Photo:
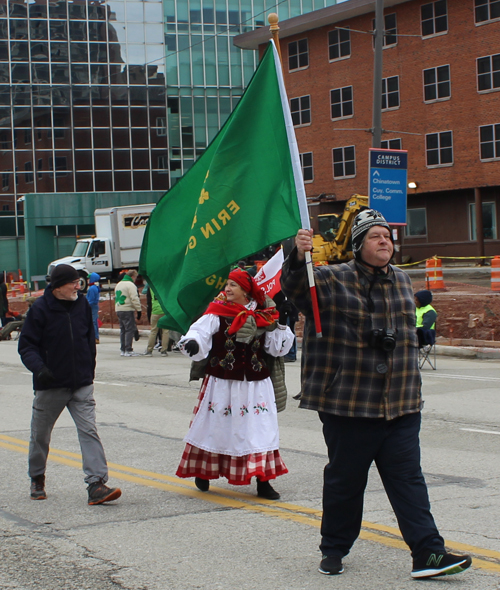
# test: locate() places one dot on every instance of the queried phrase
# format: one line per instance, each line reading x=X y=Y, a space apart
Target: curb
x=471 y=352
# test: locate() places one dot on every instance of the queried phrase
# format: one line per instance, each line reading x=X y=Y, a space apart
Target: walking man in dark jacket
x=57 y=345
x=362 y=378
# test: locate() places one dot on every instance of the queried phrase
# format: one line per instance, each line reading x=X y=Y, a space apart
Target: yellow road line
x=382 y=534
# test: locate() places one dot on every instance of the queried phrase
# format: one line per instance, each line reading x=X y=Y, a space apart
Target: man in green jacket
x=156 y=315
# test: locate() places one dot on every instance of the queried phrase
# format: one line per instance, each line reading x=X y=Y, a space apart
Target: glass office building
x=117 y=95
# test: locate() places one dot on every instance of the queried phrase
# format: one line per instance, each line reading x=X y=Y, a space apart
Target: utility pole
x=377 y=74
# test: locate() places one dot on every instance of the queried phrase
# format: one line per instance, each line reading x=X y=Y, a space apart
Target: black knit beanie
x=63 y=274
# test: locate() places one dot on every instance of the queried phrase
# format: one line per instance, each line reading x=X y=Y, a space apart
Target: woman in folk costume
x=234 y=431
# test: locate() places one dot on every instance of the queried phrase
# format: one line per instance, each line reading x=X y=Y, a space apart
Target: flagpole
x=274 y=28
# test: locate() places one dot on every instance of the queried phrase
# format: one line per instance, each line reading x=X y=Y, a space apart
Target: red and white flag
x=268 y=277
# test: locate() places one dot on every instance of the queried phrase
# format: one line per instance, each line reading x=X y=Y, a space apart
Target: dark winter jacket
x=61 y=339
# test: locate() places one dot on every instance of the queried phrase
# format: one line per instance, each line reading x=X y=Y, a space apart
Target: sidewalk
x=471 y=352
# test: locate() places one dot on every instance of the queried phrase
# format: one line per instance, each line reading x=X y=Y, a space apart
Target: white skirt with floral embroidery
x=235 y=418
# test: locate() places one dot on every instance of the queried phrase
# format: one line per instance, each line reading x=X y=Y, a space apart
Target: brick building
x=440 y=101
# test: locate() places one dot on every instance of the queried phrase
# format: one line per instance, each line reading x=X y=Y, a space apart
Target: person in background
x=57 y=345
x=234 y=432
x=363 y=379
x=426 y=319
x=127 y=302
x=17 y=323
x=4 y=303
x=93 y=295
x=156 y=315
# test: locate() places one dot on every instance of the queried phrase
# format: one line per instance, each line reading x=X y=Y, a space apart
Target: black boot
x=202 y=484
x=266 y=490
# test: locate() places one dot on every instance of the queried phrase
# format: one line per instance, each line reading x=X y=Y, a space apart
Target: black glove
x=139 y=314
x=284 y=311
x=191 y=347
x=45 y=377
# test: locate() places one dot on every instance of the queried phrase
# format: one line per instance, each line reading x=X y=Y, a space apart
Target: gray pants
x=47 y=407
x=127 y=329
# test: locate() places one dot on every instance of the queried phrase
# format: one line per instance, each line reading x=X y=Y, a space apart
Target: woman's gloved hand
x=191 y=347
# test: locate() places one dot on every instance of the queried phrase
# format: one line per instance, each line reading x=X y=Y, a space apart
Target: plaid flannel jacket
x=341 y=373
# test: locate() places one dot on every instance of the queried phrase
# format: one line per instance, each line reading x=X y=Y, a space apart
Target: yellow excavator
x=333 y=242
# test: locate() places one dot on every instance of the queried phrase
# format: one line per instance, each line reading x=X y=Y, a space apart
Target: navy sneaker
x=331 y=565
x=431 y=565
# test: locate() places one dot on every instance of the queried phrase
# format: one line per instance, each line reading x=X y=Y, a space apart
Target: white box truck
x=117 y=245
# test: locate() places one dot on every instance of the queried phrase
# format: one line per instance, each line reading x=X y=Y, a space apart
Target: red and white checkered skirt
x=239 y=471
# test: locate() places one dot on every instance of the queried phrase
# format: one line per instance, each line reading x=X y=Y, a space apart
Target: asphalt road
x=163 y=534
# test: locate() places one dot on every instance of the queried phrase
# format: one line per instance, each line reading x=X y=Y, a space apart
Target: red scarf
x=223 y=308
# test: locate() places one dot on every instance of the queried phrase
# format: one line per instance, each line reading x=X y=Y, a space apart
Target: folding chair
x=427 y=353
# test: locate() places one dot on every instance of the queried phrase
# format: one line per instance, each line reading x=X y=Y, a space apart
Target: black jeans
x=353 y=444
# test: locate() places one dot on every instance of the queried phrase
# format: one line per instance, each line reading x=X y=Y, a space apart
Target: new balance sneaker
x=131 y=353
x=122 y=353
x=148 y=353
x=38 y=488
x=431 y=565
x=100 y=493
x=164 y=353
x=331 y=565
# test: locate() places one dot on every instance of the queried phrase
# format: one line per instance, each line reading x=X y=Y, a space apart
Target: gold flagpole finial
x=273 y=20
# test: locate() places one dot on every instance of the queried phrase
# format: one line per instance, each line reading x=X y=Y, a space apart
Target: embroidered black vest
x=229 y=359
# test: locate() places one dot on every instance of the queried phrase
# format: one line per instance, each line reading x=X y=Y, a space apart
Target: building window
x=489 y=142
x=298 y=55
x=161 y=126
x=17 y=175
x=391 y=30
x=162 y=164
x=437 y=83
x=301 y=110
x=489 y=221
x=28 y=172
x=439 y=148
x=306 y=162
x=27 y=136
x=341 y=102
x=434 y=18
x=339 y=44
x=390 y=92
x=39 y=168
x=488 y=72
x=487 y=10
x=416 y=223
x=391 y=144
x=5 y=180
x=60 y=166
x=344 y=162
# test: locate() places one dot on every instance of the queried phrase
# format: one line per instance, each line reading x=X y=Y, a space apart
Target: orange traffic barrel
x=434 y=274
x=495 y=273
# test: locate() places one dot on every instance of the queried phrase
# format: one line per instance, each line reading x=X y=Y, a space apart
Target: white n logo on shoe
x=434 y=560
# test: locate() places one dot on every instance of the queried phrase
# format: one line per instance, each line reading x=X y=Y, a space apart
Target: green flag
x=238 y=198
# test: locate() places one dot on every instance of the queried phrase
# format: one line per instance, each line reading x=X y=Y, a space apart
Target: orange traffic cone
x=495 y=273
x=434 y=274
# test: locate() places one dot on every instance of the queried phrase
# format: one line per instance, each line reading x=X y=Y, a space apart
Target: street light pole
x=377 y=74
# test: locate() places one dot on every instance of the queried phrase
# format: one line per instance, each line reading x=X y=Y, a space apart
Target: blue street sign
x=387 y=184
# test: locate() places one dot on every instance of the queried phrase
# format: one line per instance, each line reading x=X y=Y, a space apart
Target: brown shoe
x=100 y=493
x=38 y=488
